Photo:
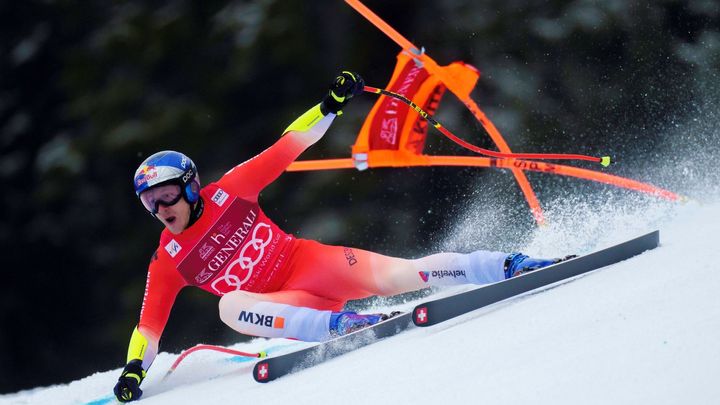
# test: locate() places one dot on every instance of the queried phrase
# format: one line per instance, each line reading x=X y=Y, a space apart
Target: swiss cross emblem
x=262 y=373
x=421 y=315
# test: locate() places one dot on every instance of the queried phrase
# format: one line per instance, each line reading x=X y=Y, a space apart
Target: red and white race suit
x=234 y=246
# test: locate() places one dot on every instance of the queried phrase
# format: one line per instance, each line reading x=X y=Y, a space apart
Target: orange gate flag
x=461 y=92
x=393 y=135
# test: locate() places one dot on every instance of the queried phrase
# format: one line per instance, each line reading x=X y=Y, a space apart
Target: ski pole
x=221 y=349
x=605 y=160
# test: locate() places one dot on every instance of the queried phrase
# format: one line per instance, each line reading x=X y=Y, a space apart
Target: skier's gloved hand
x=128 y=386
x=345 y=86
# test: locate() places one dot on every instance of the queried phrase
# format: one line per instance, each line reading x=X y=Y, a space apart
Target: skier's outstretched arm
x=250 y=177
x=162 y=286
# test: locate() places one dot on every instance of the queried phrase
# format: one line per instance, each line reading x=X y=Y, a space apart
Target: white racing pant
x=289 y=313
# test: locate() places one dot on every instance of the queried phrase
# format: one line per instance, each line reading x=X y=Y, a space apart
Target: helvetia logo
x=424 y=275
x=447 y=273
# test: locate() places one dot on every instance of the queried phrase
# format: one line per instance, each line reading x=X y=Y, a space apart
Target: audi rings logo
x=250 y=255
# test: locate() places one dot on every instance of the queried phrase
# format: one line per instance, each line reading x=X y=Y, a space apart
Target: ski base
x=440 y=310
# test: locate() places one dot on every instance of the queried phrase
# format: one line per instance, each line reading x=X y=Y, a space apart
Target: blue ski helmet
x=168 y=167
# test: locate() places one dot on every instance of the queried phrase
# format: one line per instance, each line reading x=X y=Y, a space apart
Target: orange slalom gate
x=458 y=86
x=394 y=136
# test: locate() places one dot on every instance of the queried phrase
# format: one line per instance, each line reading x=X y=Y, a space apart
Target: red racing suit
x=232 y=246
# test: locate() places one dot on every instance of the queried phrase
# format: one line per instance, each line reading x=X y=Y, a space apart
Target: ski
x=440 y=310
x=436 y=311
x=272 y=368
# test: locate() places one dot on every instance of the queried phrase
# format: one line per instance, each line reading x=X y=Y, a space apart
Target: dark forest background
x=89 y=88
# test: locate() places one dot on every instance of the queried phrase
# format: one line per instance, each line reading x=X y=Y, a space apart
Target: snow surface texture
x=641 y=331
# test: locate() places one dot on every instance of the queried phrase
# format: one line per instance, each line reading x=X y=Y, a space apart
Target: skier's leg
x=347 y=273
x=270 y=315
x=343 y=273
x=395 y=276
x=325 y=277
x=284 y=314
x=443 y=269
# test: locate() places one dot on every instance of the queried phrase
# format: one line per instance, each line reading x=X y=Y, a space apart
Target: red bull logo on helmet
x=145 y=174
x=151 y=175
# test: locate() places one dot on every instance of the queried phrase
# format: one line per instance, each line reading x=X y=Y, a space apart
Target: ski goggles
x=166 y=195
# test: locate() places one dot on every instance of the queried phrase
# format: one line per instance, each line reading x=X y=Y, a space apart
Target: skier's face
x=175 y=217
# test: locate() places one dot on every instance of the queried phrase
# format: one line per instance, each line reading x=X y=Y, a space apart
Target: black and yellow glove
x=345 y=86
x=128 y=386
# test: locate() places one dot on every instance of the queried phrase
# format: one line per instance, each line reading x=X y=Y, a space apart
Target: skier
x=272 y=284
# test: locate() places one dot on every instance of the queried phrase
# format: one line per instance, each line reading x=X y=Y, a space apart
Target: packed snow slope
x=641 y=331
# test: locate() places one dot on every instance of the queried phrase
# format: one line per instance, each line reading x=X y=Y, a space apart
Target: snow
x=641 y=331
